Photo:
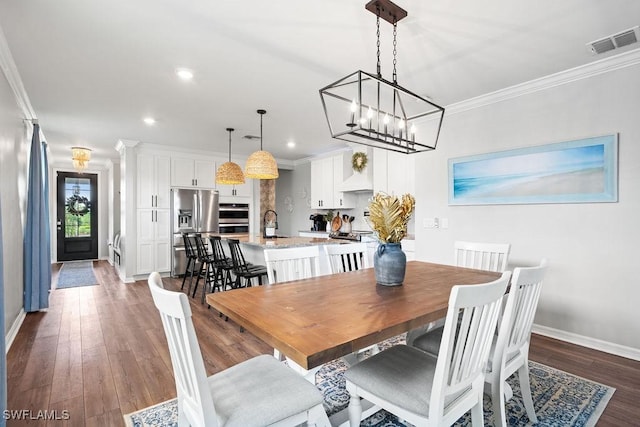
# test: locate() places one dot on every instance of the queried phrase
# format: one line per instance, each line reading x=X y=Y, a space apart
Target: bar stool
x=192 y=259
x=206 y=268
x=223 y=264
x=241 y=268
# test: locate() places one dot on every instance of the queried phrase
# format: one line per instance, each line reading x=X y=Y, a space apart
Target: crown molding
x=606 y=65
x=12 y=75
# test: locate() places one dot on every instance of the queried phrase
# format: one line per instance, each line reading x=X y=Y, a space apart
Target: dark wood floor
x=99 y=352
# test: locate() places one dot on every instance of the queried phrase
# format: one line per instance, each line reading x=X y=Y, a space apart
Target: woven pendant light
x=261 y=164
x=229 y=173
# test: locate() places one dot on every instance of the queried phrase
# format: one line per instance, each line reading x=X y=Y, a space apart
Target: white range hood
x=360 y=181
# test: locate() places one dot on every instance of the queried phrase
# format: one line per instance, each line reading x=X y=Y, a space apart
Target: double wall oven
x=233 y=218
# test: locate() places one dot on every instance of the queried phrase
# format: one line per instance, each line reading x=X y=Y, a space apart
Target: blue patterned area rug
x=559 y=398
x=76 y=273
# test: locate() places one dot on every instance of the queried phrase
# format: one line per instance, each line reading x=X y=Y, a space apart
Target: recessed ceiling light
x=291 y=144
x=150 y=121
x=184 y=73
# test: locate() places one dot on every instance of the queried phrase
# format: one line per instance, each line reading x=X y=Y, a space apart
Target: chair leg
x=218 y=279
x=498 y=402
x=355 y=410
x=318 y=417
x=193 y=270
x=207 y=282
x=477 y=417
x=184 y=277
x=226 y=281
x=195 y=288
x=525 y=387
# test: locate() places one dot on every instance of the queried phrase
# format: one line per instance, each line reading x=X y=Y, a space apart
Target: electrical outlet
x=444 y=222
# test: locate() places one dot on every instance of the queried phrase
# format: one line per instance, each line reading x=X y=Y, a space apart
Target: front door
x=77 y=223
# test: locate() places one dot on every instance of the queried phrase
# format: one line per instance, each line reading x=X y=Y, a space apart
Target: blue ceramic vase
x=389 y=264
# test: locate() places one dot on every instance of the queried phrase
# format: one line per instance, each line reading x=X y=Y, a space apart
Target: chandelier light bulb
x=354 y=108
x=400 y=127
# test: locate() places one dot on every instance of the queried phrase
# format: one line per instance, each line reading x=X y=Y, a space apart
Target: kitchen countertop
x=289 y=242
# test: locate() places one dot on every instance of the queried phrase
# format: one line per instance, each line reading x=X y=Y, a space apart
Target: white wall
x=592 y=287
x=14 y=147
x=296 y=184
x=284 y=185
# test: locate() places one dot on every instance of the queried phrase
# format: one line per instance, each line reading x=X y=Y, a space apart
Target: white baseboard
x=594 y=343
x=11 y=335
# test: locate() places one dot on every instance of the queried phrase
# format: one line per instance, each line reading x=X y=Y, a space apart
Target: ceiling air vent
x=615 y=41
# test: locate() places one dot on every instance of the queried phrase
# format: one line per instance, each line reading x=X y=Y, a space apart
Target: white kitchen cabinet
x=154 y=256
x=341 y=165
x=193 y=173
x=153 y=181
x=240 y=190
x=153 y=240
x=393 y=173
x=153 y=235
x=409 y=248
x=322 y=183
x=326 y=175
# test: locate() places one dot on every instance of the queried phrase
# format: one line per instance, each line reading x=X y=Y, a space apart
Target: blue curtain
x=47 y=214
x=37 y=250
x=3 y=352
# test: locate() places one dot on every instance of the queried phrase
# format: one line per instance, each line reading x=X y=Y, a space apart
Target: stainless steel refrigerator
x=192 y=211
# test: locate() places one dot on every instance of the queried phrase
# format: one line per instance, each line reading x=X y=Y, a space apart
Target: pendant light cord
x=395 y=51
x=230 y=130
x=395 y=45
x=262 y=113
x=378 y=41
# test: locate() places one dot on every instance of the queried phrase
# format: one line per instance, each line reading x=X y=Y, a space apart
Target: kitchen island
x=253 y=247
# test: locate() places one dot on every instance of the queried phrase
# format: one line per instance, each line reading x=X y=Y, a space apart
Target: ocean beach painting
x=580 y=171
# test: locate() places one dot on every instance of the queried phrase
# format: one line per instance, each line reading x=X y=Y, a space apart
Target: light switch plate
x=429 y=222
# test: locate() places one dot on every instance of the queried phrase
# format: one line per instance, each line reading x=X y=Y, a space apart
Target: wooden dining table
x=314 y=321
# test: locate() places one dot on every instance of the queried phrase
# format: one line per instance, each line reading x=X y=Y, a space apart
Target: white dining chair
x=511 y=346
x=285 y=265
x=347 y=257
x=295 y=263
x=258 y=392
x=435 y=391
x=344 y=258
x=478 y=255
x=482 y=256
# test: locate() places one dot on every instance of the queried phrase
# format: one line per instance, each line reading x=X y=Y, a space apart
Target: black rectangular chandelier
x=367 y=109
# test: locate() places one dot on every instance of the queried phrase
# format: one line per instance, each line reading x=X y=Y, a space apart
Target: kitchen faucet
x=273 y=227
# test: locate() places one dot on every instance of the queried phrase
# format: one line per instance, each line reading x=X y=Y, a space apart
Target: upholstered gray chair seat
x=430 y=342
x=403 y=376
x=259 y=392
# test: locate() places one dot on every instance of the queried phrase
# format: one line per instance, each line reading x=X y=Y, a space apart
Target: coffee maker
x=319 y=224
